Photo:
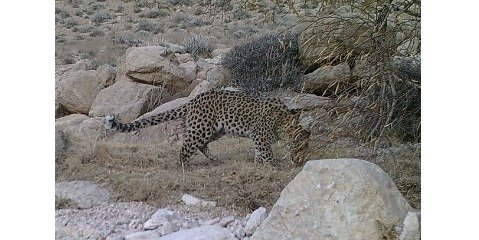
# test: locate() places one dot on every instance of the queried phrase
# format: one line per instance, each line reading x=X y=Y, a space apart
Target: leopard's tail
x=111 y=123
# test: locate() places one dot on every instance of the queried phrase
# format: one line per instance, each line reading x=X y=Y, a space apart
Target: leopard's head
x=297 y=138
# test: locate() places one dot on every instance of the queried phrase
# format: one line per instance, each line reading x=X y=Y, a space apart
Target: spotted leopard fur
x=213 y=114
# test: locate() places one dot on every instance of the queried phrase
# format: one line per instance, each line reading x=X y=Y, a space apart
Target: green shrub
x=266 y=63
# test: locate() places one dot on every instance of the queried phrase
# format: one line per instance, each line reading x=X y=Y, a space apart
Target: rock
x=162 y=217
x=202 y=87
x=107 y=221
x=60 y=110
x=210 y=221
x=107 y=74
x=294 y=100
x=126 y=100
x=190 y=69
x=168 y=228
x=335 y=199
x=78 y=89
x=202 y=75
x=144 y=59
x=174 y=48
x=321 y=79
x=149 y=65
x=205 y=64
x=209 y=232
x=183 y=58
x=191 y=224
x=82 y=134
x=166 y=213
x=79 y=127
x=217 y=76
x=190 y=200
x=220 y=52
x=238 y=231
x=411 y=227
x=255 y=219
x=60 y=144
x=143 y=235
x=227 y=220
x=153 y=224
x=85 y=194
x=74 y=119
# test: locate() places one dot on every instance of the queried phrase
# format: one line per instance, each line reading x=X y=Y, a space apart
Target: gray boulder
x=335 y=199
x=151 y=66
x=78 y=89
x=60 y=143
x=85 y=194
x=127 y=100
x=304 y=101
x=321 y=79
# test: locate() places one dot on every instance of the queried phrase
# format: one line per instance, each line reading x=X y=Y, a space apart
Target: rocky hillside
x=138 y=58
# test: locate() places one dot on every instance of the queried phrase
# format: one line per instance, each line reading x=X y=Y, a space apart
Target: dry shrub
x=385 y=76
x=198 y=46
x=265 y=63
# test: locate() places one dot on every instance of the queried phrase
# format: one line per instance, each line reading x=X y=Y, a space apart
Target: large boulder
x=78 y=89
x=127 y=100
x=151 y=65
x=335 y=199
x=301 y=101
x=85 y=194
x=203 y=86
x=82 y=134
x=60 y=144
x=327 y=79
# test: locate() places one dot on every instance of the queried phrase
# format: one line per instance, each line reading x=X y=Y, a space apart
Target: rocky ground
x=92 y=215
x=128 y=58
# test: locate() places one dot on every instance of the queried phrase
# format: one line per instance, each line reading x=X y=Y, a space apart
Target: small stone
x=227 y=220
x=153 y=223
x=183 y=58
x=143 y=235
x=238 y=231
x=210 y=222
x=168 y=228
x=191 y=224
x=165 y=213
x=194 y=201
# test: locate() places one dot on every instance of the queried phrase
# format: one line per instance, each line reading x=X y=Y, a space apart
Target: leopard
x=215 y=113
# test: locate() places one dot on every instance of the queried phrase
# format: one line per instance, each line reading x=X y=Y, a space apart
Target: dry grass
x=64 y=203
x=150 y=173
x=133 y=174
